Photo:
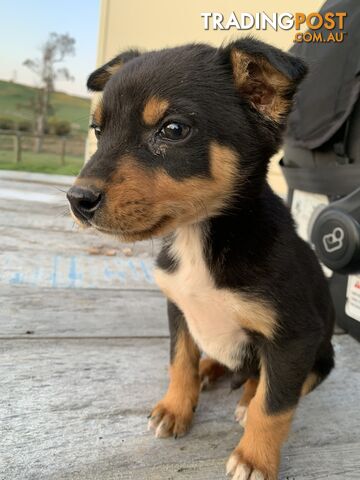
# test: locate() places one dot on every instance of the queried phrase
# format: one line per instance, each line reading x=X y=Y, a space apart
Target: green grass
x=13 y=97
x=41 y=162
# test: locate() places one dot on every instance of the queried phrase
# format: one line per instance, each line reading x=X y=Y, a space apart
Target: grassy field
x=14 y=97
x=41 y=162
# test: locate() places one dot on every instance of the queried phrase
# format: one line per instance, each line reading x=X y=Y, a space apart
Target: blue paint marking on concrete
x=7 y=264
x=36 y=276
x=16 y=279
x=77 y=271
x=110 y=273
x=133 y=269
x=73 y=275
x=122 y=273
x=53 y=278
x=148 y=276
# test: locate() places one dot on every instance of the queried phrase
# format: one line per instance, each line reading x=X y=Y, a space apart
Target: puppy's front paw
x=240 y=469
x=170 y=418
x=241 y=414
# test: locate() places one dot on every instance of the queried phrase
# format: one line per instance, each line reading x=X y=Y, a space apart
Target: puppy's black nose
x=84 y=201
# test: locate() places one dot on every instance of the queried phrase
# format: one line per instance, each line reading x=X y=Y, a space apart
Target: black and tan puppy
x=184 y=140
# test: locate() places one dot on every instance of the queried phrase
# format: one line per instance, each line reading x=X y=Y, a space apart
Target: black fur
x=197 y=80
x=252 y=246
x=176 y=324
x=99 y=78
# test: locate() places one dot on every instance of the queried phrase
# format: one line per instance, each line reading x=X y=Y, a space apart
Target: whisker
x=58 y=188
x=63 y=213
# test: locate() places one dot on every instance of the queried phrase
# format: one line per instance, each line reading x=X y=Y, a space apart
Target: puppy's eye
x=174 y=131
x=96 y=129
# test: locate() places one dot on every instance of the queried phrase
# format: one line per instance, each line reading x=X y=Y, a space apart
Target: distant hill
x=13 y=97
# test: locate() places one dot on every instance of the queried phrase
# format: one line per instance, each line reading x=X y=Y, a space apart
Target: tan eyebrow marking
x=97 y=114
x=154 y=110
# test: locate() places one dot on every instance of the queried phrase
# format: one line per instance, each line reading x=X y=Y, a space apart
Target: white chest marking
x=212 y=314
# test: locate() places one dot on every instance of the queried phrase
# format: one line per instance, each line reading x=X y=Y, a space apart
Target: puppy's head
x=181 y=133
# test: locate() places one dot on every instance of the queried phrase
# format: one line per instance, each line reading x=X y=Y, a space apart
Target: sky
x=25 y=25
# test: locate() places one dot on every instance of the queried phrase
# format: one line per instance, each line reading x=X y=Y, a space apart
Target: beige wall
x=152 y=24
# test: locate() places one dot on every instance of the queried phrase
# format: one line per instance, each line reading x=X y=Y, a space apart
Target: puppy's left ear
x=264 y=76
x=98 y=79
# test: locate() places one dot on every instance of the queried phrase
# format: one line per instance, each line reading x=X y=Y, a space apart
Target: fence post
x=63 y=150
x=38 y=143
x=17 y=147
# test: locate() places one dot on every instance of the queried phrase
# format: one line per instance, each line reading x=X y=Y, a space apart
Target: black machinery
x=321 y=161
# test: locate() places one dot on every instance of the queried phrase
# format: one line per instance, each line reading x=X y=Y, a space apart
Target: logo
x=331 y=23
x=334 y=241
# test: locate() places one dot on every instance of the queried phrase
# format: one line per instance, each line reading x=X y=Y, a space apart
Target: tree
x=53 y=52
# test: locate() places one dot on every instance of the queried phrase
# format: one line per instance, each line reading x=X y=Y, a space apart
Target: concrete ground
x=84 y=354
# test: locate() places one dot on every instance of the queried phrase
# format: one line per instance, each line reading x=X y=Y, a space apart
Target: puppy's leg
x=249 y=392
x=173 y=414
x=210 y=370
x=257 y=456
x=323 y=365
x=270 y=412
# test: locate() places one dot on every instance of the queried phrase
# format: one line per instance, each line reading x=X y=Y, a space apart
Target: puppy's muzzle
x=84 y=201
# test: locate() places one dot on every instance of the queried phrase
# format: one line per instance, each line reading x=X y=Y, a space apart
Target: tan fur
x=103 y=77
x=76 y=220
x=184 y=373
x=249 y=391
x=265 y=86
x=142 y=203
x=114 y=68
x=310 y=383
x=154 y=110
x=173 y=414
x=89 y=182
x=97 y=114
x=210 y=370
x=257 y=316
x=216 y=317
x=264 y=435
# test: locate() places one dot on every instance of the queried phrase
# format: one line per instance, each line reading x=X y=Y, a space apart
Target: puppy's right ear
x=97 y=80
x=264 y=76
